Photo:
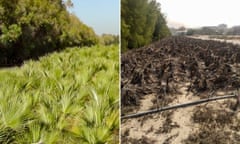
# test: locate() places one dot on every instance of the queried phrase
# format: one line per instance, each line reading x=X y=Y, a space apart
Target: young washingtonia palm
x=64 y=98
x=15 y=110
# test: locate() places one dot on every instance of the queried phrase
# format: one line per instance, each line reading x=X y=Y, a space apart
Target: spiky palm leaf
x=51 y=101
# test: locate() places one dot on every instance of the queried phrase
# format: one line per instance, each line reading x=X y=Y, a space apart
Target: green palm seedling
x=66 y=103
x=49 y=101
x=14 y=112
x=35 y=131
x=49 y=116
x=96 y=127
x=69 y=108
x=31 y=134
x=48 y=112
x=45 y=73
x=51 y=137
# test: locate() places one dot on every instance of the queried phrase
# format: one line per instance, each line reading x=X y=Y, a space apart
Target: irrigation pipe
x=178 y=106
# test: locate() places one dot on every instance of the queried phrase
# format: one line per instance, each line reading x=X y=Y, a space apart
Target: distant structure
x=178 y=31
x=235 y=30
x=221 y=29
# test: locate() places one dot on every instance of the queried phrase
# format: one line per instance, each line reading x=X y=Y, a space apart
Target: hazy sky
x=102 y=15
x=196 y=13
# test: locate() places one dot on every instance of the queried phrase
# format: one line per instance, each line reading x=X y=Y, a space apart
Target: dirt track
x=179 y=70
x=229 y=39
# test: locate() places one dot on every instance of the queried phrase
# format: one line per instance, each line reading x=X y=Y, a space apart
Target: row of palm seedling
x=67 y=97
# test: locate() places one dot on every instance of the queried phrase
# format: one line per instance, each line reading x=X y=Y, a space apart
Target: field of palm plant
x=66 y=97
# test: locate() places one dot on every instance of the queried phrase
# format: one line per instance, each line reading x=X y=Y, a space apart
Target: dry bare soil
x=235 y=39
x=179 y=70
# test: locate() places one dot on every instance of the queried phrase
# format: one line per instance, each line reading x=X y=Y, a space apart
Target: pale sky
x=197 y=13
x=102 y=15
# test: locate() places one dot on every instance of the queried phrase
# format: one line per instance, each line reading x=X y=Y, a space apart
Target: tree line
x=141 y=23
x=31 y=28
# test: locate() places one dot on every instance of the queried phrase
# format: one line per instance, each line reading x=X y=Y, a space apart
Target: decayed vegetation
x=175 y=70
x=67 y=97
x=206 y=65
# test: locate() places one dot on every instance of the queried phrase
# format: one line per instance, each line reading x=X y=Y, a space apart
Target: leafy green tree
x=109 y=39
x=161 y=30
x=77 y=33
x=190 y=32
x=141 y=23
x=29 y=29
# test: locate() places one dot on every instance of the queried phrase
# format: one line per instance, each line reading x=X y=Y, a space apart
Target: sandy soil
x=183 y=116
x=170 y=127
x=206 y=37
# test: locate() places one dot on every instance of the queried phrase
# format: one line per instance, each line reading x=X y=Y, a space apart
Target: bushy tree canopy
x=109 y=39
x=141 y=23
x=30 y=28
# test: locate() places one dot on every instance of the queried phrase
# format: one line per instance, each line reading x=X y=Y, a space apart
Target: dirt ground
x=183 y=125
x=231 y=39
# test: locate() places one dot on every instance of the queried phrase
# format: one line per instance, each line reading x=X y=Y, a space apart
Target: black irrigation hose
x=177 y=106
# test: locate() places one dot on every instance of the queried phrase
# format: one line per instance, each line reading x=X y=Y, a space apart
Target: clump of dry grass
x=208 y=135
x=208 y=115
x=216 y=126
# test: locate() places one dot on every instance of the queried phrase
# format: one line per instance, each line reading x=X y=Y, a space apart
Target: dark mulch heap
x=158 y=68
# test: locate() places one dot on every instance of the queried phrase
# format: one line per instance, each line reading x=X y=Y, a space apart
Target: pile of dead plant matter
x=158 y=68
